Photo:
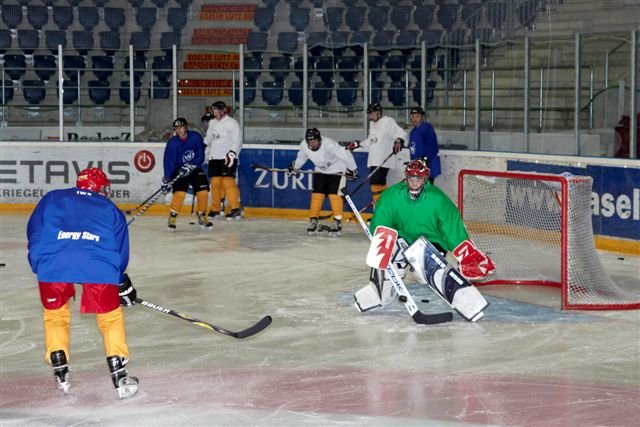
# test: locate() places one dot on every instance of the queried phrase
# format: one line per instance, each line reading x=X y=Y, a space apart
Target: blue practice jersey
x=78 y=236
x=424 y=143
x=179 y=152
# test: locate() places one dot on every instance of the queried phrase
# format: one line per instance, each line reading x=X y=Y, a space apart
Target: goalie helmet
x=180 y=122
x=95 y=180
x=313 y=134
x=416 y=173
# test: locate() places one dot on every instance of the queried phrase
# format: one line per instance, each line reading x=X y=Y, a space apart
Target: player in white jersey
x=224 y=142
x=385 y=137
x=332 y=163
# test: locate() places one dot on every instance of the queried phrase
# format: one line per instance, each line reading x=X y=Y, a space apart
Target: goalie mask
x=95 y=180
x=416 y=173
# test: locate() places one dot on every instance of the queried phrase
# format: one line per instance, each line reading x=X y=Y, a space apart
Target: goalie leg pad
x=378 y=293
x=433 y=269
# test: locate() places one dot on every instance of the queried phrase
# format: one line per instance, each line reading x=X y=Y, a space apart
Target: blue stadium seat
x=139 y=66
x=257 y=42
x=395 y=67
x=114 y=18
x=28 y=40
x=448 y=15
x=102 y=66
x=316 y=42
x=279 y=67
x=263 y=18
x=109 y=41
x=15 y=66
x=12 y=15
x=400 y=16
x=100 y=3
x=471 y=15
x=376 y=90
x=496 y=13
x=141 y=41
x=333 y=18
x=38 y=16
x=45 y=66
x=348 y=66
x=378 y=17
x=99 y=91
x=375 y=65
x=273 y=92
x=34 y=91
x=347 y=93
x=136 y=3
x=53 y=38
x=357 y=41
x=431 y=85
x=252 y=68
x=249 y=92
x=288 y=42
x=88 y=17
x=423 y=15
x=406 y=39
x=270 y=3
x=354 y=18
x=397 y=94
x=177 y=18
x=431 y=37
x=168 y=39
x=123 y=92
x=299 y=18
x=321 y=93
x=294 y=3
x=73 y=65
x=338 y=42
x=74 y=3
x=160 y=3
x=527 y=12
x=162 y=67
x=325 y=67
x=160 y=89
x=49 y=3
x=298 y=66
x=7 y=93
x=63 y=16
x=70 y=91
x=5 y=40
x=184 y=3
x=82 y=41
x=382 y=40
x=295 y=93
x=146 y=18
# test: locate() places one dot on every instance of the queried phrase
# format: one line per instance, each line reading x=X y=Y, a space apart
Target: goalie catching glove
x=474 y=265
x=230 y=159
x=127 y=292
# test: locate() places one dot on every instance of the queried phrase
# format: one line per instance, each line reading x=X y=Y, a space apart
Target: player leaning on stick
x=331 y=162
x=423 y=142
x=224 y=143
x=77 y=235
x=414 y=208
x=385 y=137
x=183 y=157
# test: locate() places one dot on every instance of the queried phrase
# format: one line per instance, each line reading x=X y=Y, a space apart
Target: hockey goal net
x=537 y=230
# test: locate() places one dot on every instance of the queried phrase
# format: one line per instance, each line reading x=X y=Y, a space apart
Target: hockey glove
x=230 y=159
x=185 y=170
x=127 y=292
x=166 y=186
x=474 y=265
x=351 y=175
x=397 y=145
x=353 y=146
x=292 y=171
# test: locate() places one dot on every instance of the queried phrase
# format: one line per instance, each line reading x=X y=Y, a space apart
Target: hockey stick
x=245 y=333
x=130 y=211
x=151 y=200
x=364 y=181
x=257 y=166
x=404 y=295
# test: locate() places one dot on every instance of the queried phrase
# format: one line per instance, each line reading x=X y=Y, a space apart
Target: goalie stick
x=245 y=333
x=404 y=295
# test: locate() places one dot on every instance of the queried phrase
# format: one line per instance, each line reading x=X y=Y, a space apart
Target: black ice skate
x=336 y=228
x=313 y=226
x=234 y=214
x=125 y=385
x=172 y=221
x=60 y=370
x=214 y=214
x=204 y=222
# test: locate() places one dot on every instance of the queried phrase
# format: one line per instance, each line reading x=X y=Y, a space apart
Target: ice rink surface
x=321 y=363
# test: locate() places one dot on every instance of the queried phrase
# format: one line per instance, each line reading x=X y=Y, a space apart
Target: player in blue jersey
x=423 y=142
x=183 y=158
x=77 y=235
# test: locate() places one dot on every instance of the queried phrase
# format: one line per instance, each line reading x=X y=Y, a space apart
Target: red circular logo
x=144 y=161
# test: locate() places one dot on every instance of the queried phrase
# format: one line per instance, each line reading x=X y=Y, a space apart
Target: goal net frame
x=512 y=216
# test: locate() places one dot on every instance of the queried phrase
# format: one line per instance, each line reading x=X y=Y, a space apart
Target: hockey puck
x=2 y=264
x=191 y=223
x=425 y=301
x=621 y=258
x=402 y=298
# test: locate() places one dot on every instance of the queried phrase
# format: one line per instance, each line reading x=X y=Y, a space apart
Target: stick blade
x=255 y=329
x=431 y=319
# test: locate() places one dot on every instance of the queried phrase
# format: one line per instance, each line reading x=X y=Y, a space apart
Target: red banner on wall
x=218 y=36
x=227 y=12
x=205 y=87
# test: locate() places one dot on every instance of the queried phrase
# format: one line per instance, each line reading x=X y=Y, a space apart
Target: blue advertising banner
x=265 y=189
x=615 y=196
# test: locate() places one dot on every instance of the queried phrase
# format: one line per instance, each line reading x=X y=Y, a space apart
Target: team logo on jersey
x=188 y=156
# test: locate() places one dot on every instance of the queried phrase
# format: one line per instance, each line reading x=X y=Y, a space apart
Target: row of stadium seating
x=103 y=3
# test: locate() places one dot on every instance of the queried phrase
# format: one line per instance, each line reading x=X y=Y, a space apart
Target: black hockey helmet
x=374 y=107
x=206 y=117
x=219 y=105
x=311 y=134
x=180 y=121
x=416 y=110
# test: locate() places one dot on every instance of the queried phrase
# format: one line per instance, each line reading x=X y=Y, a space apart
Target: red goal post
x=537 y=230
